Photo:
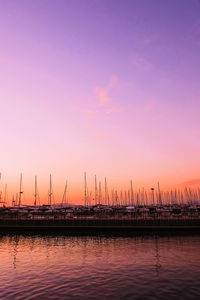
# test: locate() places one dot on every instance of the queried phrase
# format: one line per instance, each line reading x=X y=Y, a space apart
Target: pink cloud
x=102 y=94
x=91 y=114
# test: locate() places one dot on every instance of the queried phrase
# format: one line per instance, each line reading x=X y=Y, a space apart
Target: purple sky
x=107 y=87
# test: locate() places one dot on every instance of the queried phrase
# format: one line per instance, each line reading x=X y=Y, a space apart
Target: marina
x=133 y=210
x=99 y=155
x=100 y=217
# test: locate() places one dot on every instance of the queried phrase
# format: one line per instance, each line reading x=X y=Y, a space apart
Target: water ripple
x=36 y=267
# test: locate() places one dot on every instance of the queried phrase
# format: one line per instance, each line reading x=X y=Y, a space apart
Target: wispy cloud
x=147 y=40
x=114 y=110
x=105 y=103
x=102 y=135
x=102 y=93
x=140 y=63
x=191 y=182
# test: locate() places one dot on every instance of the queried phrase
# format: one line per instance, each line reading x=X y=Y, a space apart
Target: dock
x=95 y=226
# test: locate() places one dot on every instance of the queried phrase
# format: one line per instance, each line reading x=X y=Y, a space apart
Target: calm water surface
x=61 y=267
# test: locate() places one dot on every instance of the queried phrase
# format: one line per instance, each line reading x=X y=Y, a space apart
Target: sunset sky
x=108 y=87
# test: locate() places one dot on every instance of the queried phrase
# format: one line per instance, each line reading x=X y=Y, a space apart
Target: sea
x=51 y=266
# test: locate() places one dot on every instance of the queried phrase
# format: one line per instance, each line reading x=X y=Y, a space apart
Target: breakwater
x=92 y=225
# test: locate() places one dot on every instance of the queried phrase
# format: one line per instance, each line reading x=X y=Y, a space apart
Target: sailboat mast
x=152 y=191
x=85 y=188
x=5 y=194
x=159 y=195
x=100 y=196
x=131 y=192
x=64 y=194
x=20 y=190
x=106 y=192
x=13 y=201
x=96 y=190
x=50 y=191
x=35 y=195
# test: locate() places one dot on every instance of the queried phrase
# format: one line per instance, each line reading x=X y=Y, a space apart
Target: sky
x=107 y=87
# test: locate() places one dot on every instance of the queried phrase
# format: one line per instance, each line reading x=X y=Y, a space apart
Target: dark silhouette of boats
x=132 y=210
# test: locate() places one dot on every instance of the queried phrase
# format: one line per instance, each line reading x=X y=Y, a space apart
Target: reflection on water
x=60 y=267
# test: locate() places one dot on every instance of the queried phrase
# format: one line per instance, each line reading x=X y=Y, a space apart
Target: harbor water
x=99 y=267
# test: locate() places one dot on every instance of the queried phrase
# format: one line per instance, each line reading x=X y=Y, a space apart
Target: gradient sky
x=110 y=87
